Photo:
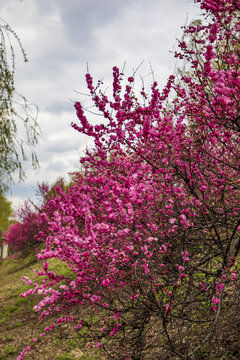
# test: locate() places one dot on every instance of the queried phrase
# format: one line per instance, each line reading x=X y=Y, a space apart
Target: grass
x=19 y=323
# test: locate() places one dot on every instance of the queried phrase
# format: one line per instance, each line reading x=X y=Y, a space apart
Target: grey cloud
x=56 y=166
x=87 y=15
x=62 y=145
x=20 y=190
x=57 y=106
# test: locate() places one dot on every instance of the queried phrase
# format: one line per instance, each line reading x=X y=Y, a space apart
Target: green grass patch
x=8 y=350
x=65 y=357
x=16 y=325
x=60 y=267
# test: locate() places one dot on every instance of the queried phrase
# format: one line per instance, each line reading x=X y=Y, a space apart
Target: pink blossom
x=215 y=300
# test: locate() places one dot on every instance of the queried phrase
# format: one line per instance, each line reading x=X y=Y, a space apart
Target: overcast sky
x=60 y=38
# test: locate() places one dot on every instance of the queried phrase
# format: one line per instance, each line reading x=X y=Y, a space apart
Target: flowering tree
x=22 y=234
x=150 y=230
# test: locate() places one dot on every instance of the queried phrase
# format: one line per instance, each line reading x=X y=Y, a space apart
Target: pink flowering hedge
x=22 y=234
x=150 y=229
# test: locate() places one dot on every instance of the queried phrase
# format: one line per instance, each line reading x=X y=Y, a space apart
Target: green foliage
x=15 y=113
x=5 y=212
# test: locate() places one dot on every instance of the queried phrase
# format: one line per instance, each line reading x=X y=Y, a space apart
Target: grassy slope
x=19 y=323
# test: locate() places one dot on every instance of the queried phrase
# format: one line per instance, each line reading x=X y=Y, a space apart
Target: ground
x=19 y=323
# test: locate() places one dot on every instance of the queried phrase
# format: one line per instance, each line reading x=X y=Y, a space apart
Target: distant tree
x=47 y=192
x=5 y=212
x=21 y=236
x=15 y=112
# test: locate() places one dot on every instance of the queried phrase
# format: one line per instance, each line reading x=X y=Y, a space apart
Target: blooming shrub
x=150 y=229
x=22 y=235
